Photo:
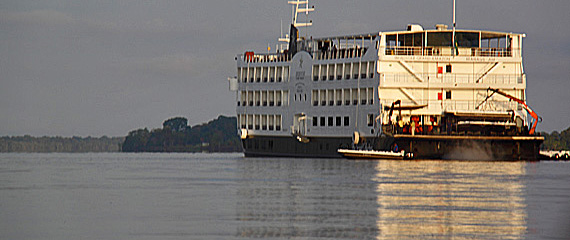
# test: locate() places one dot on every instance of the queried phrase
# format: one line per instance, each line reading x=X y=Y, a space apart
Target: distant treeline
x=60 y=144
x=556 y=140
x=175 y=135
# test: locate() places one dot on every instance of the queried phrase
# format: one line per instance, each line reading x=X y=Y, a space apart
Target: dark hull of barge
x=446 y=147
x=466 y=147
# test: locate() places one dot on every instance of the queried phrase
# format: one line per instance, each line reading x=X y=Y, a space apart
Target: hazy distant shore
x=60 y=144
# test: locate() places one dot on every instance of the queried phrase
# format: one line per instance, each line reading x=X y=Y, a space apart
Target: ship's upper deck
x=336 y=47
x=414 y=41
x=438 y=42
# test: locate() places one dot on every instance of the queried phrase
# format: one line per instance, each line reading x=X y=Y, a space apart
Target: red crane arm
x=526 y=107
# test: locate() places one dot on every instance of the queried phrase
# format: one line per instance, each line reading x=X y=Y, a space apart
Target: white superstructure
x=316 y=95
x=422 y=68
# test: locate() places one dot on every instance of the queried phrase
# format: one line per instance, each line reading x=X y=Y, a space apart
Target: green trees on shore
x=218 y=135
x=556 y=140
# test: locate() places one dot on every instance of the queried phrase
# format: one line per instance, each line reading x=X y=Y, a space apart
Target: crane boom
x=526 y=107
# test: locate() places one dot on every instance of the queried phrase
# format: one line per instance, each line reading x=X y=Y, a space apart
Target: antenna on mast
x=454 y=42
x=298 y=6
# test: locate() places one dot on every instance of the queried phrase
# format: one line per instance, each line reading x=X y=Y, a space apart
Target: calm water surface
x=227 y=196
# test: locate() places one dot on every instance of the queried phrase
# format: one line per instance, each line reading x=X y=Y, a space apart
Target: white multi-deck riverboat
x=429 y=92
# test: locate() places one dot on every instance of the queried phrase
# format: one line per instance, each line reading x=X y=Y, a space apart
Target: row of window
x=273 y=122
x=337 y=121
x=338 y=97
x=260 y=122
x=331 y=121
x=352 y=70
x=263 y=74
x=263 y=98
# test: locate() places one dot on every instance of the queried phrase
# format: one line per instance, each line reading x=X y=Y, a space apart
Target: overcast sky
x=94 y=68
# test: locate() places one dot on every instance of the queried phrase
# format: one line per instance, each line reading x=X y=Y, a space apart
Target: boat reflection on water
x=341 y=199
x=463 y=200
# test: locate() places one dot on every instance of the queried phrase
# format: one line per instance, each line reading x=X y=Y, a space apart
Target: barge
x=435 y=93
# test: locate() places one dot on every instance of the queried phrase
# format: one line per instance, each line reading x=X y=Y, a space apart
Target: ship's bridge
x=438 y=42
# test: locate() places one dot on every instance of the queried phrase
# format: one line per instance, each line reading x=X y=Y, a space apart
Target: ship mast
x=454 y=42
x=298 y=7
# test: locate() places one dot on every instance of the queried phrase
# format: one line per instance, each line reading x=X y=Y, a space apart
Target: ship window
x=285 y=98
x=467 y=39
x=315 y=121
x=322 y=121
x=286 y=74
x=250 y=122
x=355 y=69
x=448 y=94
x=271 y=122
x=265 y=73
x=370 y=120
x=346 y=96
x=278 y=122
x=315 y=72
x=448 y=68
x=355 y=96
x=346 y=121
x=439 y=39
x=338 y=121
x=330 y=122
x=257 y=121
x=272 y=95
x=279 y=74
x=257 y=98
x=272 y=74
x=263 y=122
x=315 y=97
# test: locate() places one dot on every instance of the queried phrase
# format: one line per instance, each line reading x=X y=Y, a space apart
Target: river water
x=227 y=196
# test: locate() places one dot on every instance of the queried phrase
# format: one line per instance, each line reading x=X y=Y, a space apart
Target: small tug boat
x=373 y=154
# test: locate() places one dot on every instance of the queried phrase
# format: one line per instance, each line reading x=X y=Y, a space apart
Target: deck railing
x=508 y=79
x=459 y=105
x=264 y=57
x=339 y=53
x=449 y=51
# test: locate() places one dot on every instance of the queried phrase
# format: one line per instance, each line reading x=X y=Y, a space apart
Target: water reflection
x=459 y=200
x=341 y=199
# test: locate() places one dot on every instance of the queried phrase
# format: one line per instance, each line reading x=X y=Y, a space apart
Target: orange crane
x=537 y=119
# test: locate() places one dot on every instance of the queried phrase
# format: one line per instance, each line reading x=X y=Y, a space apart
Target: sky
x=104 y=68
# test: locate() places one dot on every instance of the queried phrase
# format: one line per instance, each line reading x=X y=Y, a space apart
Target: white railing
x=268 y=57
x=339 y=53
x=508 y=79
x=450 y=51
x=459 y=105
